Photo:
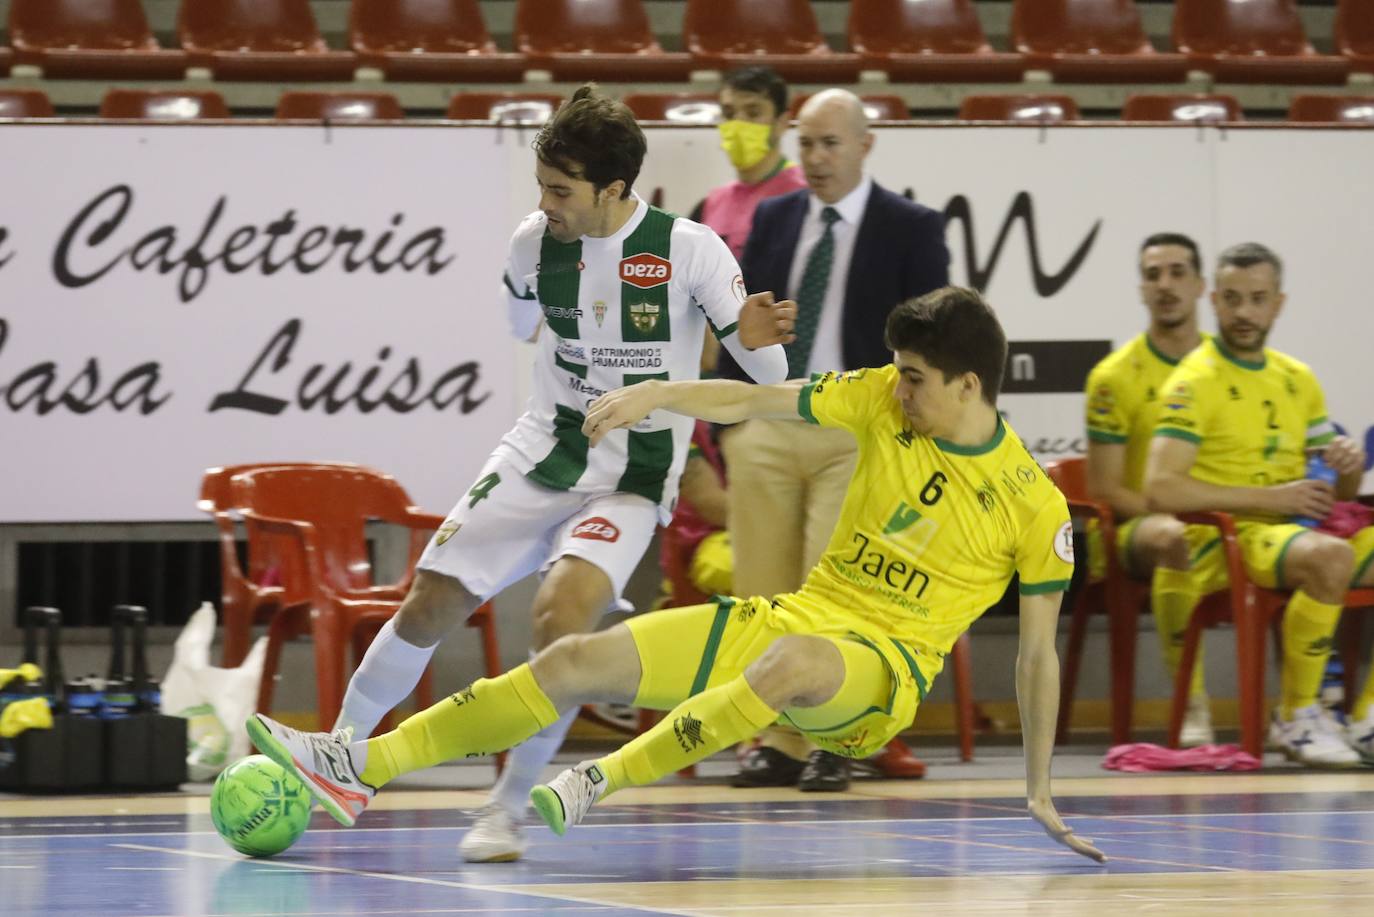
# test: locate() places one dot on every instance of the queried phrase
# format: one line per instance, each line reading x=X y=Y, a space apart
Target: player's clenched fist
x=763 y=322
x=623 y=407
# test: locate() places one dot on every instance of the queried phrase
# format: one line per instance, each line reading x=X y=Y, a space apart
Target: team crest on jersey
x=1102 y=400
x=644 y=316
x=740 y=292
x=447 y=531
x=1063 y=543
x=599 y=311
x=646 y=270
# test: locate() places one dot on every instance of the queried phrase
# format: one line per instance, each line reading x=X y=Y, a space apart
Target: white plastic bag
x=215 y=701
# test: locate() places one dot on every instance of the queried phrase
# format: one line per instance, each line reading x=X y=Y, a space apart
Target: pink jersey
x=729 y=209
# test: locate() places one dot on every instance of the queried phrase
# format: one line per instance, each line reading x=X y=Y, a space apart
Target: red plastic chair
x=1193 y=108
x=1252 y=41
x=784 y=34
x=1252 y=610
x=877 y=107
x=429 y=40
x=677 y=107
x=531 y=108
x=310 y=520
x=24 y=103
x=1091 y=41
x=158 y=105
x=259 y=40
x=928 y=41
x=594 y=39
x=6 y=60
x=339 y=106
x=1020 y=109
x=1116 y=595
x=1332 y=109
x=1353 y=34
x=90 y=39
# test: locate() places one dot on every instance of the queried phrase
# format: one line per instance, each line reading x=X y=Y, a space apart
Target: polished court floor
x=1286 y=841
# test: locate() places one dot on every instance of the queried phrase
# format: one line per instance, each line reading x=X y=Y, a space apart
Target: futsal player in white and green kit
x=617 y=292
x=946 y=505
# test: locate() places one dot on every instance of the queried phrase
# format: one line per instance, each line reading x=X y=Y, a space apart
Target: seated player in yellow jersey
x=1233 y=435
x=1122 y=403
x=945 y=507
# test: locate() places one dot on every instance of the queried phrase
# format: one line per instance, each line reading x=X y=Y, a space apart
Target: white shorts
x=507 y=527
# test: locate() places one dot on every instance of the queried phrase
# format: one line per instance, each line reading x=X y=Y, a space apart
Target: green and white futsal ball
x=258 y=807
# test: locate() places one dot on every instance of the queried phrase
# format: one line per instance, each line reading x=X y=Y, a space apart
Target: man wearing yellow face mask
x=753 y=104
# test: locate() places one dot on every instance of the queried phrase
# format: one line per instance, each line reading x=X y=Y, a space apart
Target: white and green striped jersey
x=619 y=310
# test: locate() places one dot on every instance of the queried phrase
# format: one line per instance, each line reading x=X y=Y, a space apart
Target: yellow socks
x=1308 y=629
x=698 y=727
x=1173 y=596
x=490 y=716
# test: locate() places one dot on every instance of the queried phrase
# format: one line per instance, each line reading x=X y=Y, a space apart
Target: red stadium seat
x=594 y=39
x=259 y=40
x=921 y=41
x=429 y=40
x=339 y=106
x=159 y=105
x=678 y=107
x=1091 y=41
x=505 y=107
x=876 y=107
x=784 y=34
x=1332 y=109
x=1028 y=109
x=90 y=39
x=1252 y=41
x=1182 y=108
x=1354 y=34
x=6 y=60
x=24 y=103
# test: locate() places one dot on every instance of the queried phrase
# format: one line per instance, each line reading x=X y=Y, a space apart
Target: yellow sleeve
x=1185 y=409
x=1107 y=420
x=1044 y=553
x=849 y=399
x=1320 y=429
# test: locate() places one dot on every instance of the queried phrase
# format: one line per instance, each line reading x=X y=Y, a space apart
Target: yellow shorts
x=684 y=651
x=1097 y=552
x=1262 y=549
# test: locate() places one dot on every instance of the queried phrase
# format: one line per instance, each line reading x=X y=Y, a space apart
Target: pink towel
x=1346 y=519
x=1143 y=756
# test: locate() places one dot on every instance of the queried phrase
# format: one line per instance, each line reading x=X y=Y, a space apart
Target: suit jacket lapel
x=786 y=242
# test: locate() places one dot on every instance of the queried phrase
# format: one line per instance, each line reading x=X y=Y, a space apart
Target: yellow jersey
x=1252 y=421
x=1123 y=403
x=930 y=533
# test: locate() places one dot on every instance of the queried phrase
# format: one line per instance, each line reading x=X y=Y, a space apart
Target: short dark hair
x=1175 y=238
x=763 y=81
x=1248 y=254
x=596 y=134
x=954 y=330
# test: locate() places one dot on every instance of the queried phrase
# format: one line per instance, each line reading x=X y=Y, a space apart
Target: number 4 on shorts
x=482 y=488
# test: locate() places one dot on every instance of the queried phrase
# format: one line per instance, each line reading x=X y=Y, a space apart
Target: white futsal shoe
x=564 y=800
x=1360 y=736
x=496 y=836
x=1313 y=737
x=321 y=761
x=1197 y=723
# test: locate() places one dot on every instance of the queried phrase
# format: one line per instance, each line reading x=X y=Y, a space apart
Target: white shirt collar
x=850 y=207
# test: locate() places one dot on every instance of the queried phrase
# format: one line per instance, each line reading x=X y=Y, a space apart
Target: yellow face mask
x=745 y=142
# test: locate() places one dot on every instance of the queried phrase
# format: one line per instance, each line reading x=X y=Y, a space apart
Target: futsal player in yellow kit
x=945 y=506
x=1236 y=424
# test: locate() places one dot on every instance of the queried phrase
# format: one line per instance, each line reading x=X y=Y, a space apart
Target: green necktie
x=810 y=296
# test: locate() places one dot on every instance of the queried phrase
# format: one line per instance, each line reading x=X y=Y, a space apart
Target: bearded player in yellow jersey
x=1233 y=434
x=1122 y=403
x=945 y=507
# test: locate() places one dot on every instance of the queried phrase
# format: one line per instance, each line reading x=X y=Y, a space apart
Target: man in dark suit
x=848 y=251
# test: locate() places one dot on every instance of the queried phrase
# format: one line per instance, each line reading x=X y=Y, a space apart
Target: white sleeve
x=718 y=289
x=518 y=282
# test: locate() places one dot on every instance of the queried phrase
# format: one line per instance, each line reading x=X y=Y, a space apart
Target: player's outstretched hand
x=1045 y=813
x=623 y=407
x=763 y=322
